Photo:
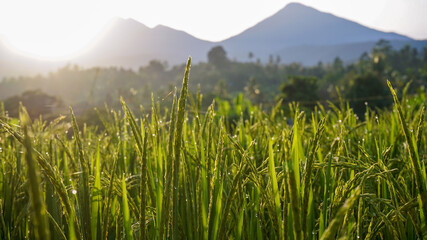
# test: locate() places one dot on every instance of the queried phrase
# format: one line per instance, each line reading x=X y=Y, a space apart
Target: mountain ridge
x=296 y=33
x=297 y=25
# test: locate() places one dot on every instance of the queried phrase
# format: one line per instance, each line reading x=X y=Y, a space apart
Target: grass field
x=182 y=172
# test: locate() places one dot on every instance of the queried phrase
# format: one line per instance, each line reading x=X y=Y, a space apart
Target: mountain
x=296 y=33
x=297 y=26
x=132 y=44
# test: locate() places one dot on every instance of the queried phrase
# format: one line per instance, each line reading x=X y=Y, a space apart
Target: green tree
x=381 y=52
x=250 y=56
x=37 y=103
x=338 y=65
x=218 y=57
x=301 y=89
x=369 y=89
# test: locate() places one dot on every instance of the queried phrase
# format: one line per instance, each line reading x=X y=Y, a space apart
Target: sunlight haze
x=60 y=29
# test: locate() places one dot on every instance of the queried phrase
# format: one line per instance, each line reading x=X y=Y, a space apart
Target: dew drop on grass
x=74 y=191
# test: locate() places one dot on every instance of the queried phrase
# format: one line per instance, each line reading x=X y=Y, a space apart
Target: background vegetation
x=361 y=81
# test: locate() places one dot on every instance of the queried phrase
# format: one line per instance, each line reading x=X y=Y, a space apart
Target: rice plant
x=189 y=174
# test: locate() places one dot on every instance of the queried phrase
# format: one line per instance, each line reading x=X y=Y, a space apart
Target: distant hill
x=132 y=44
x=296 y=33
x=300 y=29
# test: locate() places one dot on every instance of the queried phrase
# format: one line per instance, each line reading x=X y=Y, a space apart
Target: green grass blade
x=84 y=185
x=273 y=179
x=177 y=145
x=168 y=175
x=96 y=197
x=415 y=163
x=308 y=173
x=125 y=212
x=39 y=210
x=143 y=189
x=334 y=225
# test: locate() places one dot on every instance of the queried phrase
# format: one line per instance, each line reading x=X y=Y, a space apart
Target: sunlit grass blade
x=96 y=195
x=216 y=196
x=125 y=211
x=336 y=222
x=273 y=179
x=168 y=174
x=177 y=145
x=420 y=180
x=293 y=173
x=39 y=210
x=56 y=227
x=109 y=198
x=84 y=185
x=308 y=173
x=143 y=189
x=71 y=229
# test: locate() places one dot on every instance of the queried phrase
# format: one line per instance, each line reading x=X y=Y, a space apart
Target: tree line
x=361 y=83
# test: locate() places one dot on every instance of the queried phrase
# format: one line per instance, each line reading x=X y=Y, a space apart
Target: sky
x=59 y=29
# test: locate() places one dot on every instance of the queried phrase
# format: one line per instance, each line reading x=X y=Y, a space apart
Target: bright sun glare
x=57 y=32
x=46 y=46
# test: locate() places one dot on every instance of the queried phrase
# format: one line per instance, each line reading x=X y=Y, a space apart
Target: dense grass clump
x=181 y=173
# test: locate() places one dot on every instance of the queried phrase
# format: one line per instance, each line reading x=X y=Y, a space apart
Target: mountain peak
x=127 y=22
x=296 y=5
x=298 y=24
x=296 y=8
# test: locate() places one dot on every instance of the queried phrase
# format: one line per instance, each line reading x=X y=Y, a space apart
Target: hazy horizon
x=68 y=34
